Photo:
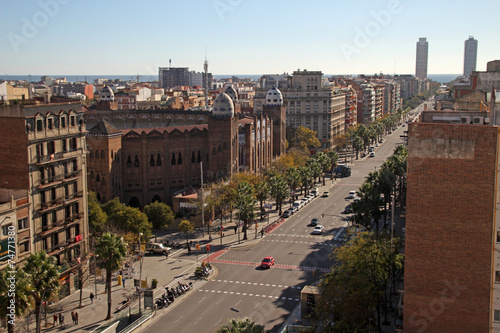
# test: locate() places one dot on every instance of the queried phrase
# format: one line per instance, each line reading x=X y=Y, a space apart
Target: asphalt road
x=241 y=288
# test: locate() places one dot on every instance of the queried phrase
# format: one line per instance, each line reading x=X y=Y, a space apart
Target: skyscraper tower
x=422 y=54
x=470 y=55
x=205 y=68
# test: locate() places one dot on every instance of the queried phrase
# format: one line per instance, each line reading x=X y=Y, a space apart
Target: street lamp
x=236 y=310
x=140 y=274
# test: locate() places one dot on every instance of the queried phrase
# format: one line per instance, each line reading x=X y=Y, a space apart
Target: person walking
x=262 y=233
x=123 y=281
x=235 y=229
x=76 y=318
x=55 y=319
x=73 y=316
x=92 y=298
x=61 y=320
x=210 y=238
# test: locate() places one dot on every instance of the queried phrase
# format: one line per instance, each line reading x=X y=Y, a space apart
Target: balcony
x=72 y=175
x=63 y=268
x=49 y=181
x=73 y=218
x=49 y=205
x=73 y=197
x=56 y=248
x=45 y=159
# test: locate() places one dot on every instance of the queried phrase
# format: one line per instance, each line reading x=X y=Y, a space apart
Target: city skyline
x=63 y=37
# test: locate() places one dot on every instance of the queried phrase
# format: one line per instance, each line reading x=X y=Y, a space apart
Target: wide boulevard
x=241 y=288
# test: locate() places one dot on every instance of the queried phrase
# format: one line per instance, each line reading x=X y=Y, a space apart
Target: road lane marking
x=196 y=322
x=177 y=319
x=220 y=300
x=202 y=300
x=217 y=323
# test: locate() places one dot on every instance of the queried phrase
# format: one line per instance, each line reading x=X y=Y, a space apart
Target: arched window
x=91 y=154
x=97 y=154
x=158 y=160
x=136 y=161
x=111 y=154
x=98 y=178
x=179 y=160
x=173 y=159
x=152 y=160
x=225 y=145
x=98 y=196
x=199 y=157
x=214 y=151
x=92 y=174
x=193 y=159
x=102 y=154
x=129 y=161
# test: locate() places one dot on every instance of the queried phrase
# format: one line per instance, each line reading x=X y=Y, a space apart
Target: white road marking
x=217 y=323
x=219 y=301
x=197 y=320
x=202 y=300
x=177 y=319
x=238 y=302
x=256 y=305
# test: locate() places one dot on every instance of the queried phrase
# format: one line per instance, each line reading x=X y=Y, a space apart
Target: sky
x=125 y=37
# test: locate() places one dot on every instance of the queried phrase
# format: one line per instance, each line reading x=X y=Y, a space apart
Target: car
x=286 y=214
x=310 y=196
x=372 y=154
x=318 y=230
x=381 y=140
x=326 y=193
x=356 y=199
x=304 y=201
x=351 y=194
x=348 y=209
x=372 y=148
x=267 y=262
x=293 y=209
x=314 y=192
x=314 y=221
x=157 y=248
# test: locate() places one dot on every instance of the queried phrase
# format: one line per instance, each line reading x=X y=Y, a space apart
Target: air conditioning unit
x=478 y=121
x=486 y=120
x=464 y=120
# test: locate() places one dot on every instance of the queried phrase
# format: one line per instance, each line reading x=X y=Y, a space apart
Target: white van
x=297 y=204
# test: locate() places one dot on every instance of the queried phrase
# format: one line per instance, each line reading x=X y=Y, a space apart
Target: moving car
x=348 y=209
x=314 y=221
x=318 y=230
x=267 y=262
x=372 y=154
x=326 y=193
x=157 y=248
x=342 y=171
x=351 y=194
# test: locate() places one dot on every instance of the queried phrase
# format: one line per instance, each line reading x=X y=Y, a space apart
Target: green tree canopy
x=97 y=217
x=241 y=325
x=159 y=214
x=20 y=295
x=304 y=138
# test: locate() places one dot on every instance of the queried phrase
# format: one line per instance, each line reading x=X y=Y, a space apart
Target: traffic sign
x=208 y=247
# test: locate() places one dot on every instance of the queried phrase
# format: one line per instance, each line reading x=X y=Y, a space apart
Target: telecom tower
x=205 y=67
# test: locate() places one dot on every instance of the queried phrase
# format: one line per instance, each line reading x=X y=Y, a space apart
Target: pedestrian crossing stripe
x=256 y=295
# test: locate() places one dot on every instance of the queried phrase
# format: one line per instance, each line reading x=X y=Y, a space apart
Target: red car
x=267 y=262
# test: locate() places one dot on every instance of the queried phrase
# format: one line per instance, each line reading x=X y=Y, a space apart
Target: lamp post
x=140 y=274
x=95 y=275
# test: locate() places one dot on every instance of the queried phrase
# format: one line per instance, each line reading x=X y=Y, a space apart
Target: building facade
x=44 y=159
x=470 y=56
x=308 y=102
x=422 y=57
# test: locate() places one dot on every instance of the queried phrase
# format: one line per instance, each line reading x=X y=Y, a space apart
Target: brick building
x=452 y=260
x=142 y=165
x=43 y=181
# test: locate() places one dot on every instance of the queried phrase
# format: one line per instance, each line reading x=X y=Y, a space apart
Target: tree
x=111 y=251
x=356 y=286
x=303 y=139
x=357 y=143
x=245 y=202
x=20 y=295
x=186 y=226
x=43 y=280
x=279 y=190
x=159 y=214
x=333 y=157
x=241 y=325
x=131 y=220
x=97 y=217
x=306 y=177
x=293 y=178
x=261 y=190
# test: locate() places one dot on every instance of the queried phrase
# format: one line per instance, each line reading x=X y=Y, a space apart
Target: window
x=102 y=154
x=5 y=229
x=91 y=154
x=199 y=157
x=151 y=160
x=158 y=160
x=63 y=122
x=97 y=154
x=49 y=123
x=136 y=161
x=498 y=236
x=129 y=161
x=92 y=174
x=179 y=160
x=39 y=125
x=497 y=276
x=173 y=159
x=214 y=151
x=225 y=146
x=97 y=178
x=72 y=120
x=193 y=158
x=64 y=148
x=496 y=315
x=25 y=247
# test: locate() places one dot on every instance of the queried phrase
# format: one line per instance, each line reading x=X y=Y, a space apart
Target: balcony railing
x=73 y=196
x=73 y=218
x=72 y=174
x=49 y=180
x=57 y=156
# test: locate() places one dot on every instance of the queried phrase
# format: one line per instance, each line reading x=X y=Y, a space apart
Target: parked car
x=314 y=221
x=351 y=194
x=314 y=192
x=348 y=209
x=267 y=262
x=326 y=193
x=372 y=154
x=286 y=214
x=318 y=230
x=294 y=209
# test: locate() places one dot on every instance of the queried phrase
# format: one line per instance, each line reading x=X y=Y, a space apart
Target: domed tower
x=275 y=109
x=106 y=94
x=231 y=92
x=222 y=139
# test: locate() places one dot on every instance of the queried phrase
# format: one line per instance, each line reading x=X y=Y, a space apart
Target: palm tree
x=357 y=143
x=20 y=295
x=293 y=178
x=279 y=190
x=261 y=190
x=246 y=204
x=111 y=251
x=306 y=177
x=43 y=280
x=324 y=163
x=241 y=325
x=333 y=157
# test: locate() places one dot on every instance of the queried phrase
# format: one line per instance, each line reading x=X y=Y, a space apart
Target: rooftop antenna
x=170 y=63
x=138 y=78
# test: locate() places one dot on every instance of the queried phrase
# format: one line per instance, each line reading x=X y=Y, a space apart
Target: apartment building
x=309 y=102
x=43 y=170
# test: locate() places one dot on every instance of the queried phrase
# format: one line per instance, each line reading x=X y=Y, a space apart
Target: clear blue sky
x=242 y=36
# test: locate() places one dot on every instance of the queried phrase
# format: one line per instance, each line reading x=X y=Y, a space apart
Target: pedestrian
x=209 y=238
x=92 y=298
x=123 y=281
x=235 y=229
x=55 y=319
x=61 y=320
x=262 y=233
x=76 y=318
x=73 y=316
x=189 y=249
x=322 y=214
